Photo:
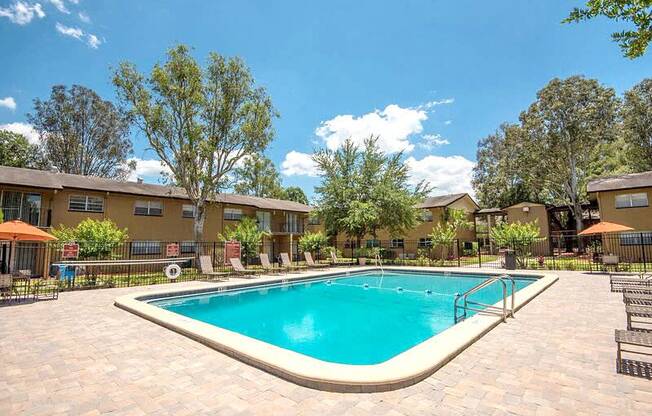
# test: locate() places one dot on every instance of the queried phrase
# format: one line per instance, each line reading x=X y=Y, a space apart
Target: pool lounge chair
x=311 y=263
x=620 y=283
x=287 y=264
x=637 y=339
x=267 y=265
x=241 y=271
x=644 y=315
x=206 y=265
x=338 y=262
x=634 y=298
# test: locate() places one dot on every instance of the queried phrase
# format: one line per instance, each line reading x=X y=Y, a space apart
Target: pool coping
x=402 y=370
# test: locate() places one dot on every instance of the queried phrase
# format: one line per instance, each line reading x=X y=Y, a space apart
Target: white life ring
x=172 y=271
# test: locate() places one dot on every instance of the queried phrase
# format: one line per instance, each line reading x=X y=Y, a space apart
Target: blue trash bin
x=63 y=272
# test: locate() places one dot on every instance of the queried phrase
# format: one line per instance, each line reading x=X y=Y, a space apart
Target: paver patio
x=82 y=355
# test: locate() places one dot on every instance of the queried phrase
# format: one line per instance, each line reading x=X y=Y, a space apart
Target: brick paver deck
x=80 y=355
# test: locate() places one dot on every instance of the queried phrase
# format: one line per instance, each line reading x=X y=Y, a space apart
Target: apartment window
x=636 y=238
x=188 y=211
x=631 y=200
x=86 y=203
x=313 y=220
x=151 y=208
x=21 y=206
x=234 y=214
x=145 y=247
x=350 y=244
x=425 y=242
x=426 y=215
x=188 y=247
x=292 y=223
x=264 y=220
x=372 y=243
x=396 y=243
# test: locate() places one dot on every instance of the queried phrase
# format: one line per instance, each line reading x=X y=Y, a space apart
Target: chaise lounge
x=287 y=264
x=206 y=265
x=241 y=271
x=637 y=339
x=267 y=265
x=311 y=263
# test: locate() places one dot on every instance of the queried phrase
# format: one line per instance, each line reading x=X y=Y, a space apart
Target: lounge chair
x=620 y=283
x=311 y=263
x=240 y=270
x=287 y=264
x=338 y=262
x=7 y=289
x=610 y=260
x=206 y=265
x=637 y=339
x=267 y=265
x=633 y=298
x=639 y=311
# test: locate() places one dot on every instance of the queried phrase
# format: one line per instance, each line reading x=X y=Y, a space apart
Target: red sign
x=231 y=251
x=70 y=251
x=172 y=250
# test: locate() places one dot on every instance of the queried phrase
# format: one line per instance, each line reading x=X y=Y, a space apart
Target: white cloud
x=8 y=102
x=394 y=125
x=84 y=17
x=22 y=13
x=93 y=41
x=74 y=32
x=25 y=129
x=431 y=104
x=74 y=1
x=297 y=163
x=431 y=141
x=148 y=168
x=59 y=6
x=448 y=174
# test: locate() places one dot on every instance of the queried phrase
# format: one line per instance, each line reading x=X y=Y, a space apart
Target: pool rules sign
x=70 y=251
x=231 y=251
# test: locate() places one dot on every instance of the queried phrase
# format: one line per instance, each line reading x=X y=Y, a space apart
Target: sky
x=431 y=78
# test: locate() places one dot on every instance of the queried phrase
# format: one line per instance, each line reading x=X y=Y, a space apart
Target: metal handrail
x=504 y=311
x=379 y=262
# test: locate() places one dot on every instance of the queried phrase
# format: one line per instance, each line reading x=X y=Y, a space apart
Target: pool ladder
x=379 y=262
x=471 y=305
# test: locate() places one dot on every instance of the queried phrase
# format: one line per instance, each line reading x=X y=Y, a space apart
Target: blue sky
x=430 y=77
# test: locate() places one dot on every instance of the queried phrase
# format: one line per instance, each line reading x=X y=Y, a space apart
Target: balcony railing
x=282 y=228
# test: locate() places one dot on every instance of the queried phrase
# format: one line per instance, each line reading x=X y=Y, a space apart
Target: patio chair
x=640 y=340
x=338 y=262
x=639 y=311
x=637 y=298
x=287 y=264
x=267 y=265
x=7 y=289
x=206 y=266
x=311 y=263
x=240 y=270
x=610 y=260
x=620 y=283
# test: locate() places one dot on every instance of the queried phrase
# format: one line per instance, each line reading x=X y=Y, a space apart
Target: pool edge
x=405 y=369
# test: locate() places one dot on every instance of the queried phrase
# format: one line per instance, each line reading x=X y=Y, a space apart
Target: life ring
x=172 y=271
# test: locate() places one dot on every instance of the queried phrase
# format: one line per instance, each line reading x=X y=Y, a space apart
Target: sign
x=231 y=251
x=70 y=251
x=172 y=250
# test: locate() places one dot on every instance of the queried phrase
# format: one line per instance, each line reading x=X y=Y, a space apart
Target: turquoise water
x=341 y=321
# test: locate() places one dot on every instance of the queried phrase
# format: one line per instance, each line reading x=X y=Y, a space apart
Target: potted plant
x=362 y=254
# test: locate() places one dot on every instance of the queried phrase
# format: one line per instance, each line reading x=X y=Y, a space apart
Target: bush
x=96 y=238
x=247 y=234
x=313 y=242
x=517 y=236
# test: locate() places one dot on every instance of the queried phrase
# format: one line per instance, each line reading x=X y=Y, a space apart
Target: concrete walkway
x=81 y=355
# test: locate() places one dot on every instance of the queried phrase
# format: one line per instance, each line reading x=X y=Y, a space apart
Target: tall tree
x=296 y=194
x=258 y=177
x=200 y=122
x=363 y=190
x=16 y=151
x=567 y=129
x=81 y=133
x=633 y=43
x=637 y=125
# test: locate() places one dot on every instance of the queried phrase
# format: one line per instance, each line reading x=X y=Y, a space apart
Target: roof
x=52 y=180
x=490 y=211
x=618 y=182
x=525 y=204
x=443 y=200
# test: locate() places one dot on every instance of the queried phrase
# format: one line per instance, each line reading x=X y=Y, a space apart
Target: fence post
x=404 y=252
x=479 y=254
x=129 y=267
x=643 y=253
x=459 y=262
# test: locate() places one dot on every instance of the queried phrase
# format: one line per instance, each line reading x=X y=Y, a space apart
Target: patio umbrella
x=20 y=231
x=604 y=227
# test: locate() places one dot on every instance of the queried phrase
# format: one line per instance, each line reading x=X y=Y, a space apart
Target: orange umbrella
x=20 y=231
x=605 y=227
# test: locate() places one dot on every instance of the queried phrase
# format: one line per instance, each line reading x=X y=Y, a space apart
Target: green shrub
x=96 y=238
x=247 y=234
x=313 y=242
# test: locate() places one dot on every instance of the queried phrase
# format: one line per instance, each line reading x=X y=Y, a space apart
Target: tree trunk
x=198 y=225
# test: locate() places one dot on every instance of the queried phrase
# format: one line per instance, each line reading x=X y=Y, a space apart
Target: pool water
x=356 y=319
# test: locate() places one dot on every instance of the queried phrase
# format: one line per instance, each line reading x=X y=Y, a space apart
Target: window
x=373 y=243
x=234 y=214
x=396 y=243
x=292 y=223
x=86 y=203
x=631 y=200
x=425 y=242
x=426 y=215
x=151 y=208
x=313 y=220
x=145 y=247
x=188 y=211
x=636 y=238
x=350 y=244
x=21 y=206
x=188 y=247
x=264 y=220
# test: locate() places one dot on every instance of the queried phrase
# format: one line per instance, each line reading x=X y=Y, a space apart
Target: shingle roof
x=441 y=200
x=52 y=180
x=617 y=182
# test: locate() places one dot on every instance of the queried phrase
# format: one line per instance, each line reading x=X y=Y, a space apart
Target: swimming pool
x=356 y=331
x=357 y=319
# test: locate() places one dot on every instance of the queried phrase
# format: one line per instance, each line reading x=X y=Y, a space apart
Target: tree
x=633 y=43
x=16 y=151
x=567 y=130
x=445 y=232
x=296 y=194
x=247 y=234
x=363 y=190
x=96 y=238
x=200 y=123
x=517 y=236
x=82 y=134
x=258 y=177
x=637 y=125
x=313 y=242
